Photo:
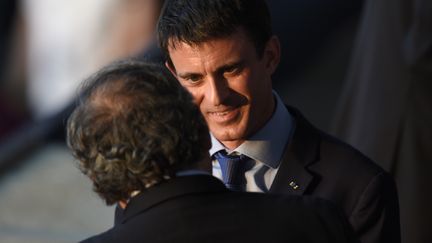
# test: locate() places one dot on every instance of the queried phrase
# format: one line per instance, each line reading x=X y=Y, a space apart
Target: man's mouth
x=224 y=116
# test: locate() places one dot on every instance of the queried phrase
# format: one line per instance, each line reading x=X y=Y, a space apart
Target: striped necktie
x=233 y=169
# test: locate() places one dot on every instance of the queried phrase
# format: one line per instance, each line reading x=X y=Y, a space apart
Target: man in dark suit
x=142 y=141
x=224 y=53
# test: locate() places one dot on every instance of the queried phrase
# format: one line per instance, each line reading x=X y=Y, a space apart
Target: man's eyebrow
x=188 y=74
x=220 y=69
x=230 y=65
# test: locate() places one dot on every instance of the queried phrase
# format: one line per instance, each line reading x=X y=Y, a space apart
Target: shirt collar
x=267 y=145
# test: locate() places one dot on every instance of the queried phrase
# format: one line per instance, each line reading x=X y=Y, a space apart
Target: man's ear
x=171 y=68
x=122 y=204
x=272 y=53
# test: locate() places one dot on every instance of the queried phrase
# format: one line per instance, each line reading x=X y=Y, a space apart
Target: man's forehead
x=211 y=56
x=176 y=44
x=238 y=35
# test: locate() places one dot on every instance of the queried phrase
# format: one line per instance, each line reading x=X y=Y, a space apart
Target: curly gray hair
x=134 y=126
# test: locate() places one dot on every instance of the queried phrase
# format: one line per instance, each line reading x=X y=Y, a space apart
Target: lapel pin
x=294 y=185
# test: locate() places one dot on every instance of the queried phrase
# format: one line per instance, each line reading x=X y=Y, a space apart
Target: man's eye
x=193 y=78
x=231 y=69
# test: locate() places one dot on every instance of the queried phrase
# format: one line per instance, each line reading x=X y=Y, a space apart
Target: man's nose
x=217 y=91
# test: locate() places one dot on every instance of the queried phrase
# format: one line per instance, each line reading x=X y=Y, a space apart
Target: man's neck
x=231 y=145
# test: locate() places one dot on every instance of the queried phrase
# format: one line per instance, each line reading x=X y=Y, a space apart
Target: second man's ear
x=272 y=54
x=171 y=68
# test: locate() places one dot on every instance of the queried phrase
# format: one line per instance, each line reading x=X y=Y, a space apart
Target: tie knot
x=234 y=157
x=233 y=169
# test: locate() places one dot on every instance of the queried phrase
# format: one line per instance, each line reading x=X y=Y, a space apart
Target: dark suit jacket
x=200 y=209
x=317 y=164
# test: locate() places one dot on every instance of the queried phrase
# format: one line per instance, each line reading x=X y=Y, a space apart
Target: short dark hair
x=197 y=21
x=134 y=126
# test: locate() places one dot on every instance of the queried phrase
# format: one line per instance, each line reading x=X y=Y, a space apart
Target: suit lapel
x=293 y=178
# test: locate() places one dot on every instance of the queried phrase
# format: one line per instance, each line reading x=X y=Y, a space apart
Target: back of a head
x=197 y=21
x=134 y=126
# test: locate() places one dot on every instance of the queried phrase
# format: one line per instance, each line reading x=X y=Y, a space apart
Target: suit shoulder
x=343 y=167
x=334 y=151
x=115 y=234
x=329 y=151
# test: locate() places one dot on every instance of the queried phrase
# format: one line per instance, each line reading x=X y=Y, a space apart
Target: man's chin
x=231 y=139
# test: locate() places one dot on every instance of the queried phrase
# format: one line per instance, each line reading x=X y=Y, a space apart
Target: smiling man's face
x=230 y=83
